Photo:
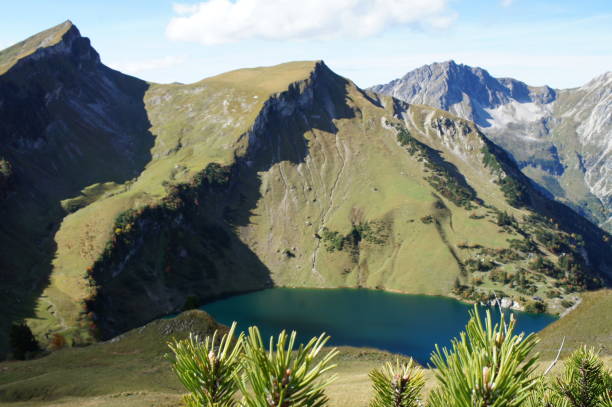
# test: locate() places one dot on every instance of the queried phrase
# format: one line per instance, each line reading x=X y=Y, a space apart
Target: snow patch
x=515 y=112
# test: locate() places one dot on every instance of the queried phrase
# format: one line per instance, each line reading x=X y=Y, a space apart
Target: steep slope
x=146 y=196
x=67 y=122
x=559 y=138
x=319 y=191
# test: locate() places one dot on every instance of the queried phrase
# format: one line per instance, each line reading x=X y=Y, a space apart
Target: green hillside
x=590 y=323
x=128 y=198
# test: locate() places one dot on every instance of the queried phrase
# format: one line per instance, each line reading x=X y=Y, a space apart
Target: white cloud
x=506 y=3
x=138 y=67
x=222 y=21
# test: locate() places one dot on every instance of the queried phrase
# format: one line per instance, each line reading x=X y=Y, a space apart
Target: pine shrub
x=487 y=366
x=397 y=385
x=283 y=376
x=585 y=382
x=209 y=369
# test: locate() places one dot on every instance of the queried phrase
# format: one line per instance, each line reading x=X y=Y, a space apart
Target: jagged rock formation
x=560 y=138
x=127 y=197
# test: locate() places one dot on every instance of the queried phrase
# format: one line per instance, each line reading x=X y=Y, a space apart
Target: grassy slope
x=336 y=167
x=590 y=323
x=362 y=169
x=11 y=55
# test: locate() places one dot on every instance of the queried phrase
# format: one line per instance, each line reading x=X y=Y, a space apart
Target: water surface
x=400 y=323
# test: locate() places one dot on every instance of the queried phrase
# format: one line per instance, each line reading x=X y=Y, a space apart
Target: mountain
x=125 y=199
x=560 y=138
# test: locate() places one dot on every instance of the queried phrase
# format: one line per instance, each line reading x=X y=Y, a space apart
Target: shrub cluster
x=487 y=365
x=514 y=191
x=371 y=232
x=443 y=178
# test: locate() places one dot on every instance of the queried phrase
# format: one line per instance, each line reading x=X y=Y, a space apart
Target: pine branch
x=209 y=372
x=397 y=385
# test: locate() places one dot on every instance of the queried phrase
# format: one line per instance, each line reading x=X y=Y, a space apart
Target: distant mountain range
x=123 y=200
x=560 y=138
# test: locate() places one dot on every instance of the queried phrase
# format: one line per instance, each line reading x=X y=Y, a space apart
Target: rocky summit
x=560 y=138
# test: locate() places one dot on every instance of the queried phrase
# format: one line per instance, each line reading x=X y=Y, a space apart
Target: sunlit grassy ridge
x=10 y=56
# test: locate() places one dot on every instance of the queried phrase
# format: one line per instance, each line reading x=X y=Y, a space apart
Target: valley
x=178 y=232
x=287 y=176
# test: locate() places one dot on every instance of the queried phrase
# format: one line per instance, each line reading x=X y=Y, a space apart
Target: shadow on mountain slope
x=196 y=251
x=62 y=130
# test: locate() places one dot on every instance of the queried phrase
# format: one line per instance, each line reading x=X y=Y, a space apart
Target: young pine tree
x=397 y=385
x=586 y=382
x=488 y=366
x=210 y=372
x=283 y=376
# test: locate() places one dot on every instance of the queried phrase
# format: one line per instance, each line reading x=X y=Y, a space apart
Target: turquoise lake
x=399 y=323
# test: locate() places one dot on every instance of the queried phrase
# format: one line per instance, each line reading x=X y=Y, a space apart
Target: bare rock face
x=560 y=138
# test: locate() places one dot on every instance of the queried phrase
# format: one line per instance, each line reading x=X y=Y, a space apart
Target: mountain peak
x=60 y=38
x=447 y=64
x=268 y=80
x=463 y=90
x=600 y=81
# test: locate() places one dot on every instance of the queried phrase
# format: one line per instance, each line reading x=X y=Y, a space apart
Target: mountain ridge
x=63 y=33
x=538 y=125
x=288 y=175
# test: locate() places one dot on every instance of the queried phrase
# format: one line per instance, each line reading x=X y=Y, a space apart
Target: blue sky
x=559 y=43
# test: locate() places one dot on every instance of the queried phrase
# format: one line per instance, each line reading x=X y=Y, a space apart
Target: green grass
x=590 y=323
